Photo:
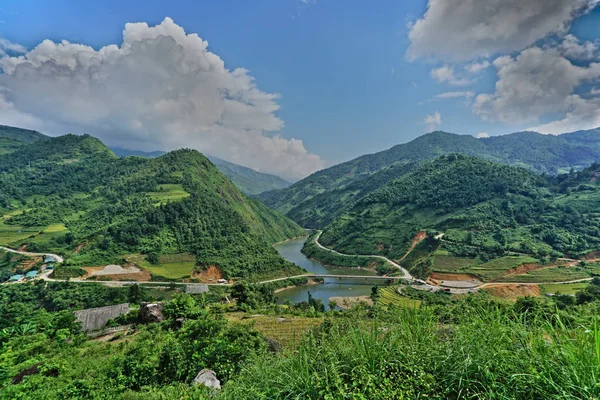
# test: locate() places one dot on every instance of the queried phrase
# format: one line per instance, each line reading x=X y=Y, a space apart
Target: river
x=332 y=287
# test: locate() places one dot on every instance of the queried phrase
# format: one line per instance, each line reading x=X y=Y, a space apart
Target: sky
x=292 y=86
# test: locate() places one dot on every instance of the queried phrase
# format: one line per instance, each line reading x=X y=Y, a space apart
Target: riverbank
x=309 y=282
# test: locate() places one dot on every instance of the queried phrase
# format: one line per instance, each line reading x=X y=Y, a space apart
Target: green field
x=444 y=261
x=555 y=274
x=172 y=266
x=564 y=288
x=389 y=296
x=168 y=192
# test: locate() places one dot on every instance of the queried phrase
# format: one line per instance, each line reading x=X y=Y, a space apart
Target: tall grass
x=495 y=353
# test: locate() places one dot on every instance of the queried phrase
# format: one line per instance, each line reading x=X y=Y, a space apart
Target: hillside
x=480 y=206
x=12 y=138
x=316 y=200
x=178 y=206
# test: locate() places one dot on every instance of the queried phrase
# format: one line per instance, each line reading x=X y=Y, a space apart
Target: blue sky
x=347 y=85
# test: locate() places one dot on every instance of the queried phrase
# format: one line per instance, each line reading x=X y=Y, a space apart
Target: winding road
x=58 y=258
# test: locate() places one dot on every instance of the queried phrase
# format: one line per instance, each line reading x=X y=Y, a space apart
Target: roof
x=49 y=259
x=16 y=277
x=31 y=274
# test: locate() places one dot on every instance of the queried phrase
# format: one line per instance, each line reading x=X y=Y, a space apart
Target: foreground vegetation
x=413 y=345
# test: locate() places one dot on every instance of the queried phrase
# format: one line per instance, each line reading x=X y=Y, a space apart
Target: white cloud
x=467 y=29
x=433 y=122
x=454 y=95
x=536 y=83
x=8 y=46
x=446 y=74
x=583 y=114
x=161 y=88
x=482 y=135
x=571 y=47
x=475 y=68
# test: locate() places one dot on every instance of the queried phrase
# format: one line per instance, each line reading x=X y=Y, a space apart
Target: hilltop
x=318 y=199
x=71 y=195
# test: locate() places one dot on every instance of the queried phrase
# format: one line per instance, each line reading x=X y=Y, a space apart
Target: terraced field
x=389 y=296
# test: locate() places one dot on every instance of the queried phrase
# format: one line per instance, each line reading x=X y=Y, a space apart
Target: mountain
x=246 y=179
x=12 y=138
x=71 y=195
x=477 y=204
x=318 y=199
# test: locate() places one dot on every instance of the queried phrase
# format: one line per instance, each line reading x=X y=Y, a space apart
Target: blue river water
x=332 y=287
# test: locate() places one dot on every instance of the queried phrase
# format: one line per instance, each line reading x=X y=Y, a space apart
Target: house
x=16 y=278
x=31 y=275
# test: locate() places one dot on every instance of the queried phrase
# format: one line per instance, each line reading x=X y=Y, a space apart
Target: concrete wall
x=196 y=288
x=96 y=318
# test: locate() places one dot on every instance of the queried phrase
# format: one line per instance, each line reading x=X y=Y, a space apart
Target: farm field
x=168 y=192
x=555 y=274
x=564 y=288
x=494 y=269
x=389 y=296
x=288 y=331
x=444 y=261
x=172 y=266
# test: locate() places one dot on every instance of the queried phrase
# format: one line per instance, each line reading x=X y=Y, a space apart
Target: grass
x=288 y=332
x=389 y=296
x=446 y=262
x=11 y=234
x=495 y=353
x=168 y=192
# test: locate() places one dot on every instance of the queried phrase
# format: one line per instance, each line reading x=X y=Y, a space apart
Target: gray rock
x=274 y=346
x=151 y=312
x=207 y=378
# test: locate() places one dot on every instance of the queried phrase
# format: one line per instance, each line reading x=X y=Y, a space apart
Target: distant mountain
x=482 y=205
x=12 y=138
x=246 y=179
x=71 y=195
x=318 y=199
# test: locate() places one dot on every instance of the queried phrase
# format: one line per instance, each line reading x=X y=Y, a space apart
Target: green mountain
x=71 y=195
x=318 y=199
x=246 y=179
x=12 y=138
x=476 y=204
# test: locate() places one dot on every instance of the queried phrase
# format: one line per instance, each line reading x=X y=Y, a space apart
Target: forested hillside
x=316 y=200
x=73 y=196
x=12 y=138
x=476 y=203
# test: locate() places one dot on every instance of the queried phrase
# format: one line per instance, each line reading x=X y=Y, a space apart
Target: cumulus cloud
x=482 y=135
x=475 y=68
x=454 y=95
x=536 y=83
x=573 y=48
x=161 y=88
x=467 y=29
x=446 y=74
x=8 y=46
x=433 y=122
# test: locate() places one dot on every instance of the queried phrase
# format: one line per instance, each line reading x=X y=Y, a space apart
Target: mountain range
x=249 y=181
x=315 y=201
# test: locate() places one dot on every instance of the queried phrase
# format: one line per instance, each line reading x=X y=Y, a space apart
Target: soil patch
x=418 y=238
x=513 y=291
x=211 y=274
x=348 y=302
x=593 y=256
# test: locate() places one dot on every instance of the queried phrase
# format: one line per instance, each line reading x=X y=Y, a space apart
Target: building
x=16 y=278
x=49 y=259
x=31 y=275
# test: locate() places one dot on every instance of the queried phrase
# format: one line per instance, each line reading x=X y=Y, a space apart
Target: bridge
x=376 y=277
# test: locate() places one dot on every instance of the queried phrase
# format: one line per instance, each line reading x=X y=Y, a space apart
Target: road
x=58 y=258
x=406 y=274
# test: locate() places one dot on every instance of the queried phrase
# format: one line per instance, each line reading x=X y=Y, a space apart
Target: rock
x=279 y=319
x=274 y=345
x=207 y=378
x=150 y=313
